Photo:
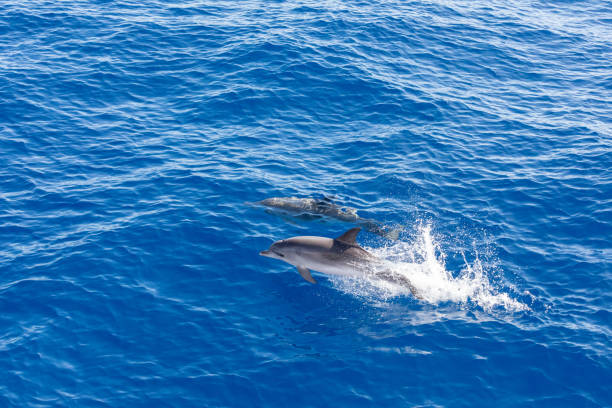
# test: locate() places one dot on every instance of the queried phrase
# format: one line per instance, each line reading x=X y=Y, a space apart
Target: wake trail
x=422 y=263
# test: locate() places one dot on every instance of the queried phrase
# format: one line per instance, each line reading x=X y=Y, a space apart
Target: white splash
x=422 y=262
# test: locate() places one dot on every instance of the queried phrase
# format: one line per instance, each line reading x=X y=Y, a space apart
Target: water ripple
x=132 y=134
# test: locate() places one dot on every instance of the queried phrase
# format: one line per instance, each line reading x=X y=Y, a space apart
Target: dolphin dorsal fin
x=349 y=236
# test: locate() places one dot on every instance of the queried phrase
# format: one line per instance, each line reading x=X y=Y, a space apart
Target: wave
x=422 y=262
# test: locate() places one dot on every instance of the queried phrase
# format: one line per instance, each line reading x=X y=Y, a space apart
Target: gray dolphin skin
x=325 y=207
x=340 y=256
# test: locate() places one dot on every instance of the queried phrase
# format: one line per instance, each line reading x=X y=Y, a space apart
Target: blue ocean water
x=133 y=135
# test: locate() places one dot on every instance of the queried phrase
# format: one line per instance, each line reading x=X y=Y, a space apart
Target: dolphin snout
x=265 y=253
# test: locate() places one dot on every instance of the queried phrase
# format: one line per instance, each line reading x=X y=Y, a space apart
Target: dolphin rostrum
x=325 y=207
x=340 y=256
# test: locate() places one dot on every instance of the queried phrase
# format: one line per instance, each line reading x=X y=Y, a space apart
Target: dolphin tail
x=392 y=233
x=399 y=280
x=382 y=230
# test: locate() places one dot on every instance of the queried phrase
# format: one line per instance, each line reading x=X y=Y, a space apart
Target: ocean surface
x=135 y=137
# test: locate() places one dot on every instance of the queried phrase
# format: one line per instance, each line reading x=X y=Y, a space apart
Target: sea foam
x=422 y=261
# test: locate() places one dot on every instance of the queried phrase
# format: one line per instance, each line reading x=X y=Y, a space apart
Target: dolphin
x=325 y=207
x=339 y=256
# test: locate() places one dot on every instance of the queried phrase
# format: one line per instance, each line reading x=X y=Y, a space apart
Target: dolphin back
x=347 y=244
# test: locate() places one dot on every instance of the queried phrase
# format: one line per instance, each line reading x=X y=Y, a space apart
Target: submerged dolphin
x=325 y=207
x=340 y=256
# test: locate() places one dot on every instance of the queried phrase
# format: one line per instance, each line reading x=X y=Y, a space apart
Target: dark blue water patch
x=133 y=137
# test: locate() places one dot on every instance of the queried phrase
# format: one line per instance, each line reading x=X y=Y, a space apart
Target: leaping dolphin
x=325 y=207
x=340 y=256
